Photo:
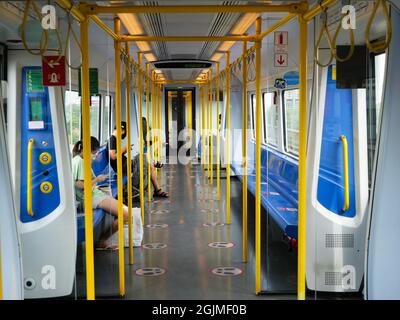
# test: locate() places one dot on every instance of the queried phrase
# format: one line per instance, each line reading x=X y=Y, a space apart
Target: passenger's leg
x=110 y=205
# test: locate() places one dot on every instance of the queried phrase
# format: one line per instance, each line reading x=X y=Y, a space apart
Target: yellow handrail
x=29 y=176
x=244 y=152
x=258 y=66
x=379 y=47
x=129 y=153
x=228 y=139
x=345 y=173
x=87 y=170
x=302 y=180
x=117 y=63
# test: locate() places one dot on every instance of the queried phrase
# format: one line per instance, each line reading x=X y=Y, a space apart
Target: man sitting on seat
x=112 y=151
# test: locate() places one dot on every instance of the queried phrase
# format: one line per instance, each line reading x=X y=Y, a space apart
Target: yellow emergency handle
x=346 y=204
x=29 y=177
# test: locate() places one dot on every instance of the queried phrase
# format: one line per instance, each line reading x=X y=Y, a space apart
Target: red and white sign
x=281 y=48
x=53 y=69
x=281 y=59
x=281 y=38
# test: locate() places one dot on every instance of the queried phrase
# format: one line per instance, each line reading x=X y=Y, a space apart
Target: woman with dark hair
x=100 y=199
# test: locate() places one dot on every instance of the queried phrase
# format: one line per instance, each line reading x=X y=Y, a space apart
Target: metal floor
x=188 y=261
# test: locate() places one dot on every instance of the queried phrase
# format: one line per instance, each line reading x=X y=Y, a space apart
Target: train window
x=253 y=115
x=291 y=111
x=374 y=104
x=95 y=116
x=73 y=116
x=379 y=82
x=105 y=127
x=271 y=118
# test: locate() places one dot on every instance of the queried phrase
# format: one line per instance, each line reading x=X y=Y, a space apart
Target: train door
x=10 y=251
x=382 y=259
x=42 y=181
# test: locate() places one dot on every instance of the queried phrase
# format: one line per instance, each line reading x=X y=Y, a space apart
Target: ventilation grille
x=333 y=278
x=339 y=240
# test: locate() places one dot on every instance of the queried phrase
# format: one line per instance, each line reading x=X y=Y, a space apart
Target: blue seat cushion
x=98 y=215
x=279 y=174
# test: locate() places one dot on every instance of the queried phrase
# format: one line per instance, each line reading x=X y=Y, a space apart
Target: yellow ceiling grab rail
x=346 y=204
x=29 y=178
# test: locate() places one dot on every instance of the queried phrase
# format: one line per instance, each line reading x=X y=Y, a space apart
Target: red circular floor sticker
x=154 y=246
x=221 y=245
x=213 y=224
x=227 y=271
x=150 y=272
x=157 y=226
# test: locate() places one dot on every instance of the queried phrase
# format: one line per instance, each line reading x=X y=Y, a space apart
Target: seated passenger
x=101 y=199
x=156 y=164
x=112 y=150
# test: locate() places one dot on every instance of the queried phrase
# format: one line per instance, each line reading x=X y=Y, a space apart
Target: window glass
x=95 y=116
x=271 y=119
x=379 y=79
x=291 y=107
x=106 y=120
x=73 y=116
x=374 y=106
x=253 y=114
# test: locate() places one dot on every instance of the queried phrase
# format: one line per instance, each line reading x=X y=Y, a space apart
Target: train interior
x=260 y=135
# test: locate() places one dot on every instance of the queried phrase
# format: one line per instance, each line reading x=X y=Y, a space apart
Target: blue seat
x=98 y=215
x=279 y=175
x=100 y=166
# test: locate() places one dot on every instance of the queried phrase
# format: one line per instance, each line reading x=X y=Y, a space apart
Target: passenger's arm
x=79 y=184
x=113 y=153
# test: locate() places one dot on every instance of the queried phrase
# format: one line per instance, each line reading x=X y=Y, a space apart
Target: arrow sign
x=281 y=38
x=53 y=68
x=53 y=63
x=281 y=60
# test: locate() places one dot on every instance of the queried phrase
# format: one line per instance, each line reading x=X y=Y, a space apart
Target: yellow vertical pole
x=121 y=259
x=203 y=126
x=129 y=153
x=140 y=106
x=169 y=115
x=258 y=159
x=218 y=133
x=160 y=123
x=153 y=110
x=244 y=151
x=190 y=118
x=87 y=166
x=302 y=185
x=228 y=139
x=207 y=132
x=156 y=122
x=148 y=131
x=211 y=130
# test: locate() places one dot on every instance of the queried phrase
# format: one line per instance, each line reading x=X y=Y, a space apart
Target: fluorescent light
x=132 y=24
x=217 y=56
x=244 y=23
x=240 y=28
x=150 y=57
